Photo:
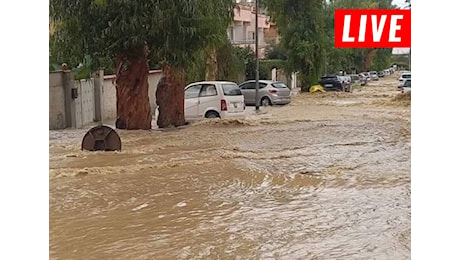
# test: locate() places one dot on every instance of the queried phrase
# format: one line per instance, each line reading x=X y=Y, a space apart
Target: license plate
x=328 y=85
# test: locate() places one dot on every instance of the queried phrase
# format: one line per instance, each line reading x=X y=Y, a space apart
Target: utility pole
x=257 y=55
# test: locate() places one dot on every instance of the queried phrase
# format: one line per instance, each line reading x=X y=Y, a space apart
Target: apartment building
x=242 y=31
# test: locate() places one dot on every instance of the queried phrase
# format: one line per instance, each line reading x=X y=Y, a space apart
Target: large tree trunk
x=211 y=65
x=133 y=105
x=170 y=98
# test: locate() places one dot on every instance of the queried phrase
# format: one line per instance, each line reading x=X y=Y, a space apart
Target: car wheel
x=265 y=102
x=212 y=114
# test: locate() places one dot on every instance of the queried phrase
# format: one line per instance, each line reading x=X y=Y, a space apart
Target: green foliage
x=54 y=67
x=307 y=35
x=382 y=59
x=172 y=30
x=401 y=60
x=301 y=26
x=357 y=59
x=266 y=66
x=230 y=63
x=275 y=51
x=233 y=64
x=196 y=71
x=245 y=59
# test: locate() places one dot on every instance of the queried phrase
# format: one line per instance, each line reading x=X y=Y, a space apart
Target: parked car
x=270 y=93
x=333 y=83
x=354 y=78
x=404 y=76
x=403 y=72
x=374 y=75
x=362 y=79
x=213 y=99
x=346 y=81
x=367 y=75
x=406 y=87
x=381 y=74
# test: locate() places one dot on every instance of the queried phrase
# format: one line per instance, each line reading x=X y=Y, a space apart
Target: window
x=249 y=85
x=330 y=78
x=252 y=85
x=192 y=91
x=231 y=90
x=261 y=85
x=407 y=83
x=279 y=85
x=208 y=90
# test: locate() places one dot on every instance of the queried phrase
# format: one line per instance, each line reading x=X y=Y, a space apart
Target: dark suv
x=333 y=83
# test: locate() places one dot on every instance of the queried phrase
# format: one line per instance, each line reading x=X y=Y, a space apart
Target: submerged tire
x=212 y=114
x=265 y=102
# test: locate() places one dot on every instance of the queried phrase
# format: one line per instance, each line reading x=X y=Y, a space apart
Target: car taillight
x=223 y=105
x=272 y=91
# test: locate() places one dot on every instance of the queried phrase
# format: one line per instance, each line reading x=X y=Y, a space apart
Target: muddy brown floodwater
x=326 y=177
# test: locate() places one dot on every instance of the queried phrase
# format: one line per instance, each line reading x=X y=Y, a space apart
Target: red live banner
x=372 y=28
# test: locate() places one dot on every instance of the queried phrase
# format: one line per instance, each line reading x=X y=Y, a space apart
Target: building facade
x=242 y=31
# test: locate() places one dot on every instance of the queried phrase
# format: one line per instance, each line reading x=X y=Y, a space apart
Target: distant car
x=381 y=74
x=334 y=83
x=346 y=81
x=404 y=76
x=270 y=93
x=362 y=79
x=213 y=99
x=374 y=75
x=403 y=72
x=367 y=75
x=354 y=78
x=406 y=87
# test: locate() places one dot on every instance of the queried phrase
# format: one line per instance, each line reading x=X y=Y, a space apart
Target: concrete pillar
x=68 y=82
x=98 y=95
x=274 y=74
x=294 y=80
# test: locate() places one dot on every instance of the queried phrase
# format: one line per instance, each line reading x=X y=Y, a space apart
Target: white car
x=402 y=79
x=406 y=87
x=213 y=99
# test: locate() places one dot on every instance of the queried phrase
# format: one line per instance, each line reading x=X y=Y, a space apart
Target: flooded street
x=325 y=177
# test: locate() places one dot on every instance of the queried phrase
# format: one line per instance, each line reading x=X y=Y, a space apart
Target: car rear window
x=407 y=83
x=231 y=90
x=406 y=76
x=279 y=85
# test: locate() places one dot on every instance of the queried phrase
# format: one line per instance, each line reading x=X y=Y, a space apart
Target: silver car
x=270 y=92
x=374 y=75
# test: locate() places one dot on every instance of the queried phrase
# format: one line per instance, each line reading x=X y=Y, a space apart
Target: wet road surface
x=325 y=177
